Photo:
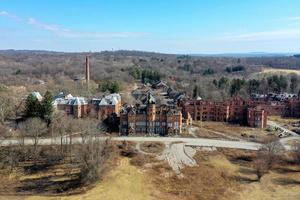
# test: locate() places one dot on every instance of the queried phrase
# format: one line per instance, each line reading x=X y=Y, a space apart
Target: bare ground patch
x=152 y=147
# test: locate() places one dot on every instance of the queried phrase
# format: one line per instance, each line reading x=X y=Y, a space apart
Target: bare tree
x=59 y=125
x=34 y=128
x=92 y=153
x=6 y=107
x=270 y=150
x=266 y=156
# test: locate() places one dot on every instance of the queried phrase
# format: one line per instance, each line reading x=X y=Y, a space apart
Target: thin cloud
x=10 y=16
x=64 y=32
x=284 y=34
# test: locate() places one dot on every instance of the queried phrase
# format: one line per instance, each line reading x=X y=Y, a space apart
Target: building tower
x=87 y=70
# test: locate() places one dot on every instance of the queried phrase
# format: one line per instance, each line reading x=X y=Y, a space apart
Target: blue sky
x=170 y=26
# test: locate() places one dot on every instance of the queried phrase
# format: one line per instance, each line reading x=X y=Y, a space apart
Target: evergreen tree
x=294 y=83
x=46 y=106
x=195 y=91
x=253 y=86
x=32 y=107
x=223 y=82
x=236 y=86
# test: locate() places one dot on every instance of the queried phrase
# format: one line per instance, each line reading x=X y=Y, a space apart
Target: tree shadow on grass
x=48 y=185
x=284 y=170
x=286 y=181
x=244 y=179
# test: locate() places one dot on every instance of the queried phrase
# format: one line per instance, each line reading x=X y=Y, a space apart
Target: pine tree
x=46 y=106
x=195 y=91
x=32 y=107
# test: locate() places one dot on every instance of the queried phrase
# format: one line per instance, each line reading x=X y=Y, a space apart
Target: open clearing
x=125 y=182
x=225 y=174
x=279 y=71
x=217 y=174
x=218 y=130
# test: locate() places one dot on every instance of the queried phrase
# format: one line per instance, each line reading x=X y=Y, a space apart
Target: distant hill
x=251 y=54
x=147 y=53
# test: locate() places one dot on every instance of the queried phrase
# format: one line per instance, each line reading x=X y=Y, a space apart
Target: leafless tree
x=6 y=107
x=270 y=151
x=33 y=128
x=92 y=153
x=266 y=156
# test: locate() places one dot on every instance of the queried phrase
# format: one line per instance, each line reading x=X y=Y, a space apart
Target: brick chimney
x=87 y=70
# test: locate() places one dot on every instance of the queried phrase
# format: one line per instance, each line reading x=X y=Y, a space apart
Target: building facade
x=235 y=110
x=150 y=119
x=81 y=107
x=257 y=117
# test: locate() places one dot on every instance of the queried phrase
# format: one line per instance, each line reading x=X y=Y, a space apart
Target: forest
x=215 y=77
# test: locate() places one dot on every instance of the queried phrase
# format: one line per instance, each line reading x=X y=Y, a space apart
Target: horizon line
x=157 y=52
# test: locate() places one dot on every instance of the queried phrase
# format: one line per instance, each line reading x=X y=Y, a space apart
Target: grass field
x=211 y=129
x=125 y=182
x=225 y=174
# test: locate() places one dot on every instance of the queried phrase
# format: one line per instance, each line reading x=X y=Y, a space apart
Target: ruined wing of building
x=238 y=110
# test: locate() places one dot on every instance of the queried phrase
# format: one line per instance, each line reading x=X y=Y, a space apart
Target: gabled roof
x=111 y=99
x=78 y=101
x=37 y=95
x=70 y=101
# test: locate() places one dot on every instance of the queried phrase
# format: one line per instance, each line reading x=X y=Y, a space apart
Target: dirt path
x=283 y=129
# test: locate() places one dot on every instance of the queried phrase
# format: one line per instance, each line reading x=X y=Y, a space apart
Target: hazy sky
x=173 y=26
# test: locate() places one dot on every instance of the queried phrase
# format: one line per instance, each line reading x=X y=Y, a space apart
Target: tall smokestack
x=87 y=70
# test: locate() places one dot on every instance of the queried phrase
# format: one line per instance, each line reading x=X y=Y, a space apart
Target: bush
x=235 y=69
x=112 y=87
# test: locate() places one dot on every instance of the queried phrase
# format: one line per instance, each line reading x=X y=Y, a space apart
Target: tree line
x=145 y=75
x=275 y=83
x=227 y=87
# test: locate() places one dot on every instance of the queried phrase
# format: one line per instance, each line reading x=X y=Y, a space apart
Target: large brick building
x=81 y=107
x=287 y=108
x=237 y=110
x=150 y=119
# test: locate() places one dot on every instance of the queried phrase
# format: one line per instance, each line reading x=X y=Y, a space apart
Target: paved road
x=187 y=141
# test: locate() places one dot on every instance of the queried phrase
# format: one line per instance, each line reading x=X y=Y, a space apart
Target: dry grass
x=209 y=180
x=279 y=71
x=125 y=182
x=284 y=121
x=223 y=130
x=225 y=174
x=273 y=187
x=152 y=147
